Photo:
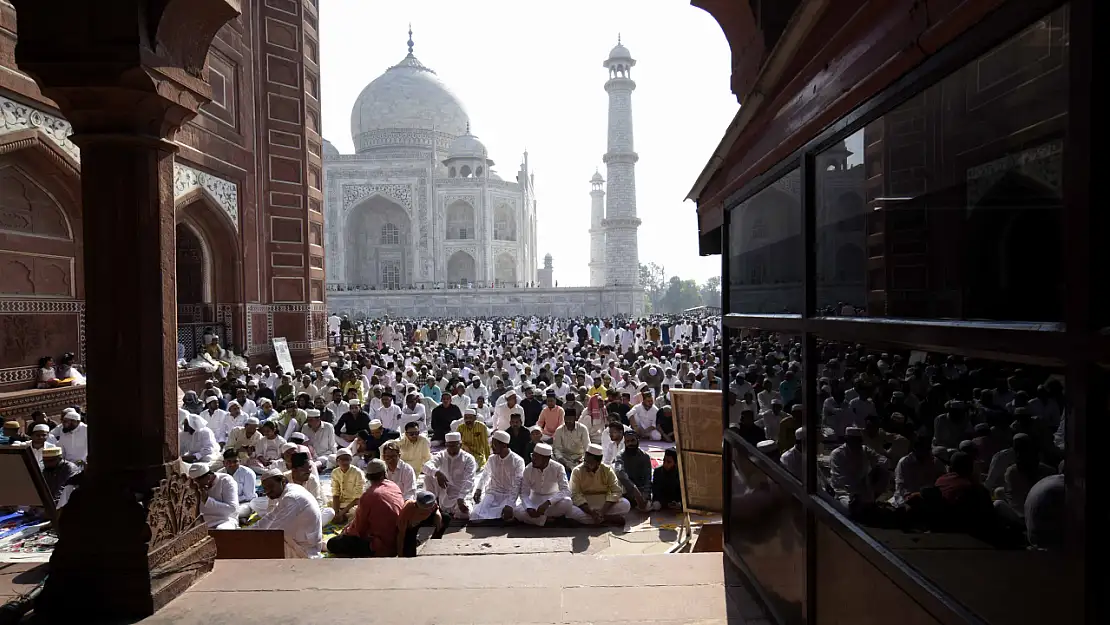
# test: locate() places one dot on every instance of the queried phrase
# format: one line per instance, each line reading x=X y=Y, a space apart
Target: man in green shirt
x=596 y=492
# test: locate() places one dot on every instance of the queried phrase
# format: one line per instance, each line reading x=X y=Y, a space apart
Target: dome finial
x=618 y=37
x=410 y=37
x=468 y=126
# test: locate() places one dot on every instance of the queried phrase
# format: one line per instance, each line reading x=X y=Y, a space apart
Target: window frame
x=1079 y=344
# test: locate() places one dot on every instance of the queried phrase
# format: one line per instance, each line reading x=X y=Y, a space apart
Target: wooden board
x=699 y=440
x=249 y=544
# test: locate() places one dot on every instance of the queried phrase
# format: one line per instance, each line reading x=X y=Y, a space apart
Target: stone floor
x=550 y=588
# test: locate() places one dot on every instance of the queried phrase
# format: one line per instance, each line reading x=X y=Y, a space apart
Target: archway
x=378 y=245
x=461 y=268
x=460 y=221
x=1014 y=271
x=504 y=269
x=504 y=223
x=209 y=275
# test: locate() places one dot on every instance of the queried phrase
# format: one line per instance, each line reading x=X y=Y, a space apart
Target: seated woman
x=47 y=377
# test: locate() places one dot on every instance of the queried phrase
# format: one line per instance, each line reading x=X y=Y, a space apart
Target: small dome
x=329 y=149
x=619 y=52
x=467 y=146
x=597 y=177
x=547 y=257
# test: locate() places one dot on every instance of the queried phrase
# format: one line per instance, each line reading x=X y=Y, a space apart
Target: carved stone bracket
x=223 y=192
x=15 y=116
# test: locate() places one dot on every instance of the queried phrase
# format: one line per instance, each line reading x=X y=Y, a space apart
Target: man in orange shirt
x=373 y=533
x=551 y=417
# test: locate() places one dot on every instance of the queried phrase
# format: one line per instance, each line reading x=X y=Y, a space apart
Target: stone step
x=497 y=546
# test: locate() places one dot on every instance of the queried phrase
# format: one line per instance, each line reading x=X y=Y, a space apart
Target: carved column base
x=117 y=560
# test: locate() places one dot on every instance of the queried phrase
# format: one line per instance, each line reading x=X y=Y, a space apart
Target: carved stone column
x=127 y=74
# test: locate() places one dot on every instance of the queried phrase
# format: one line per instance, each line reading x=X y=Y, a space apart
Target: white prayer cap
x=853 y=431
x=69 y=410
x=52 y=452
x=595 y=450
x=333 y=364
x=312 y=412
x=234 y=403
x=452 y=437
x=800 y=434
x=542 y=449
x=298 y=436
x=343 y=451
x=288 y=446
x=211 y=398
x=502 y=435
x=252 y=421
x=42 y=427
x=199 y=469
x=535 y=428
x=652 y=371
x=470 y=411
x=766 y=446
x=271 y=472
x=375 y=424
x=265 y=401
x=72 y=416
x=323 y=363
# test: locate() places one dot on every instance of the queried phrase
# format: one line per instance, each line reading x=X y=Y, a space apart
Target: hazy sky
x=530 y=77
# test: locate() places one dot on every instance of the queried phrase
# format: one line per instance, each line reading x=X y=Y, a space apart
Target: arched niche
x=504 y=223
x=41 y=249
x=504 y=268
x=378 y=244
x=461 y=268
x=198 y=217
x=461 y=221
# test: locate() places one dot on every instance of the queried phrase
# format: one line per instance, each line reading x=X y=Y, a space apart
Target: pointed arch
x=198 y=211
x=461 y=268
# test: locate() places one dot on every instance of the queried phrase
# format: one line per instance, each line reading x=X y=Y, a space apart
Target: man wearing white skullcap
x=73 y=438
x=246 y=440
x=296 y=512
x=219 y=494
x=321 y=438
x=499 y=483
x=39 y=441
x=449 y=475
x=544 y=489
x=475 y=436
x=596 y=492
x=856 y=473
x=794 y=459
x=218 y=420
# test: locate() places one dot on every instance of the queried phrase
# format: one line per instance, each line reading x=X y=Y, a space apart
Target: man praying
x=499 y=484
x=219 y=494
x=373 y=533
x=449 y=475
x=596 y=492
x=544 y=489
x=296 y=513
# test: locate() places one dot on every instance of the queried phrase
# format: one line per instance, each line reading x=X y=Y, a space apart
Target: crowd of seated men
x=940 y=443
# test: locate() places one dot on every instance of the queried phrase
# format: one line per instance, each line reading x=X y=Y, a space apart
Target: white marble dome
x=329 y=149
x=467 y=146
x=407 y=96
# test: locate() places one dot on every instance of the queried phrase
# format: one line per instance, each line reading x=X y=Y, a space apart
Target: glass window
x=765 y=394
x=949 y=206
x=765 y=250
x=955 y=465
x=391 y=235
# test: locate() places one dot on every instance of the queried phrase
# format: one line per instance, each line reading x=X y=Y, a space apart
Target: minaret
x=597 y=230
x=622 y=257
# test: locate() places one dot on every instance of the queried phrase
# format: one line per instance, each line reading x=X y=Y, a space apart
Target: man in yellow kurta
x=596 y=492
x=475 y=437
x=416 y=449
x=346 y=487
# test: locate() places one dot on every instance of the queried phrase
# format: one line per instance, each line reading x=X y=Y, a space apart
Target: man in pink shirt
x=373 y=533
x=551 y=417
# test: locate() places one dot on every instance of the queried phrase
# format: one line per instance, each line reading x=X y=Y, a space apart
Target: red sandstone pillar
x=127 y=74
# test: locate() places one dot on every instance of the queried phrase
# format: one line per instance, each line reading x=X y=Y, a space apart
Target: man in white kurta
x=321 y=438
x=221 y=497
x=195 y=441
x=449 y=475
x=244 y=479
x=246 y=440
x=398 y=471
x=499 y=482
x=73 y=438
x=219 y=421
x=544 y=489
x=296 y=514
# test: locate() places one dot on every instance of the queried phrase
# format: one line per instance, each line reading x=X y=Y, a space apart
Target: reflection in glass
x=766 y=399
x=765 y=250
x=950 y=205
x=950 y=462
x=767 y=531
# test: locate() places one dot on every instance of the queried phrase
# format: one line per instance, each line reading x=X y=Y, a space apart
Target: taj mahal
x=418 y=221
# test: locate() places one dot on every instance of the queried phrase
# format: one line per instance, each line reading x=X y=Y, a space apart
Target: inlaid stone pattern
x=224 y=192
x=355 y=193
x=15 y=116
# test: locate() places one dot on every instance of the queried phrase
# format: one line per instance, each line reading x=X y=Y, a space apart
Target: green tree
x=680 y=295
x=651 y=280
x=711 y=292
